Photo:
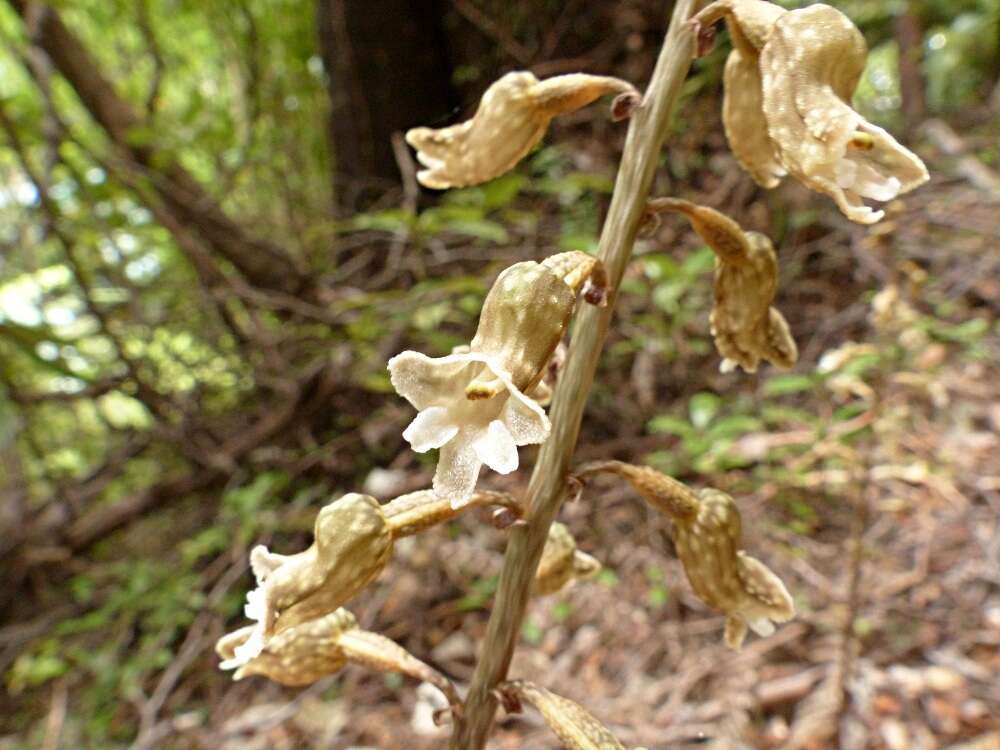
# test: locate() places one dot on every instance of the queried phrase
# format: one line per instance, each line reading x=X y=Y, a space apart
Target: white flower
x=469 y=430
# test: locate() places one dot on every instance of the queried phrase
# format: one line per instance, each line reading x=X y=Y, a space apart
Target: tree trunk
x=389 y=70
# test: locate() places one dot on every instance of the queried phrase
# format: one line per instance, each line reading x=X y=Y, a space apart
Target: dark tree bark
x=389 y=70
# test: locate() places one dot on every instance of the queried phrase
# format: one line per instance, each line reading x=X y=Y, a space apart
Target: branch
x=261 y=262
x=647 y=132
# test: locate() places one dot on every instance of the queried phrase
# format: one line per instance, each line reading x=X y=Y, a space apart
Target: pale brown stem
x=664 y=493
x=647 y=132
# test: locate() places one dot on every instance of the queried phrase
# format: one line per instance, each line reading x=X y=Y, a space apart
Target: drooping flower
x=353 y=540
x=474 y=405
x=562 y=562
x=512 y=118
x=788 y=85
x=745 y=326
x=707 y=533
x=316 y=648
x=575 y=727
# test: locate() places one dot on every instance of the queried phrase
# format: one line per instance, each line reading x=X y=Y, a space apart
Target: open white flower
x=469 y=431
x=473 y=403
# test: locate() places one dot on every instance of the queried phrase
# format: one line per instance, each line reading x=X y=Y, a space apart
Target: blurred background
x=211 y=241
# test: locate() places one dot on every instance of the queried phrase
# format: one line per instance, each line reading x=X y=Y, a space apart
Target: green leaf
x=669 y=425
x=779 y=385
x=702 y=408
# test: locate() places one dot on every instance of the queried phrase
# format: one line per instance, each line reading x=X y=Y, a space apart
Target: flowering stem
x=646 y=134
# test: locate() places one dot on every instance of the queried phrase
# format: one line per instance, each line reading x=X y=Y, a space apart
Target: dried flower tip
x=662 y=492
x=723 y=576
x=511 y=119
x=745 y=326
x=624 y=105
x=302 y=654
x=575 y=727
x=580 y=269
x=474 y=405
x=810 y=67
x=750 y=22
x=562 y=563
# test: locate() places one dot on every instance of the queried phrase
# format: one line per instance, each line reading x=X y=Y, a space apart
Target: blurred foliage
x=234 y=91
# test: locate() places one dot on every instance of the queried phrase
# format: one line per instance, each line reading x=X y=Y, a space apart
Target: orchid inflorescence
x=787 y=86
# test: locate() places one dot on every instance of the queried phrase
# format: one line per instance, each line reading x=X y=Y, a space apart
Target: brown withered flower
x=575 y=727
x=474 y=405
x=562 y=562
x=745 y=326
x=794 y=73
x=707 y=533
x=512 y=118
x=314 y=649
x=353 y=539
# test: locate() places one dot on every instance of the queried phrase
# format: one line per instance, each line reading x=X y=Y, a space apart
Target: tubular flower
x=794 y=73
x=511 y=119
x=474 y=405
x=353 y=539
x=575 y=727
x=707 y=532
x=314 y=649
x=745 y=326
x=562 y=562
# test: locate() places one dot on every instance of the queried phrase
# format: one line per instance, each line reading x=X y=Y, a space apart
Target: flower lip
x=469 y=431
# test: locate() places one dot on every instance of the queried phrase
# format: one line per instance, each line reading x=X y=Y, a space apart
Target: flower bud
x=311 y=650
x=352 y=542
x=511 y=119
x=707 y=533
x=575 y=727
x=745 y=326
x=473 y=404
x=562 y=562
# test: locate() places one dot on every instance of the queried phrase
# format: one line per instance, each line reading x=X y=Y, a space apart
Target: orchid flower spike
x=316 y=648
x=474 y=405
x=745 y=326
x=562 y=562
x=786 y=108
x=707 y=533
x=512 y=118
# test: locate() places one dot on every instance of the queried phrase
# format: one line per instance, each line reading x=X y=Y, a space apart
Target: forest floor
x=882 y=521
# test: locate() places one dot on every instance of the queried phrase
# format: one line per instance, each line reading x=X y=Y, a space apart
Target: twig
x=494 y=30
x=647 y=132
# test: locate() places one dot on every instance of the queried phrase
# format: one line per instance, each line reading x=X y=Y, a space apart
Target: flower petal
x=432 y=428
x=495 y=447
x=525 y=419
x=429 y=381
x=743 y=117
x=457 y=471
